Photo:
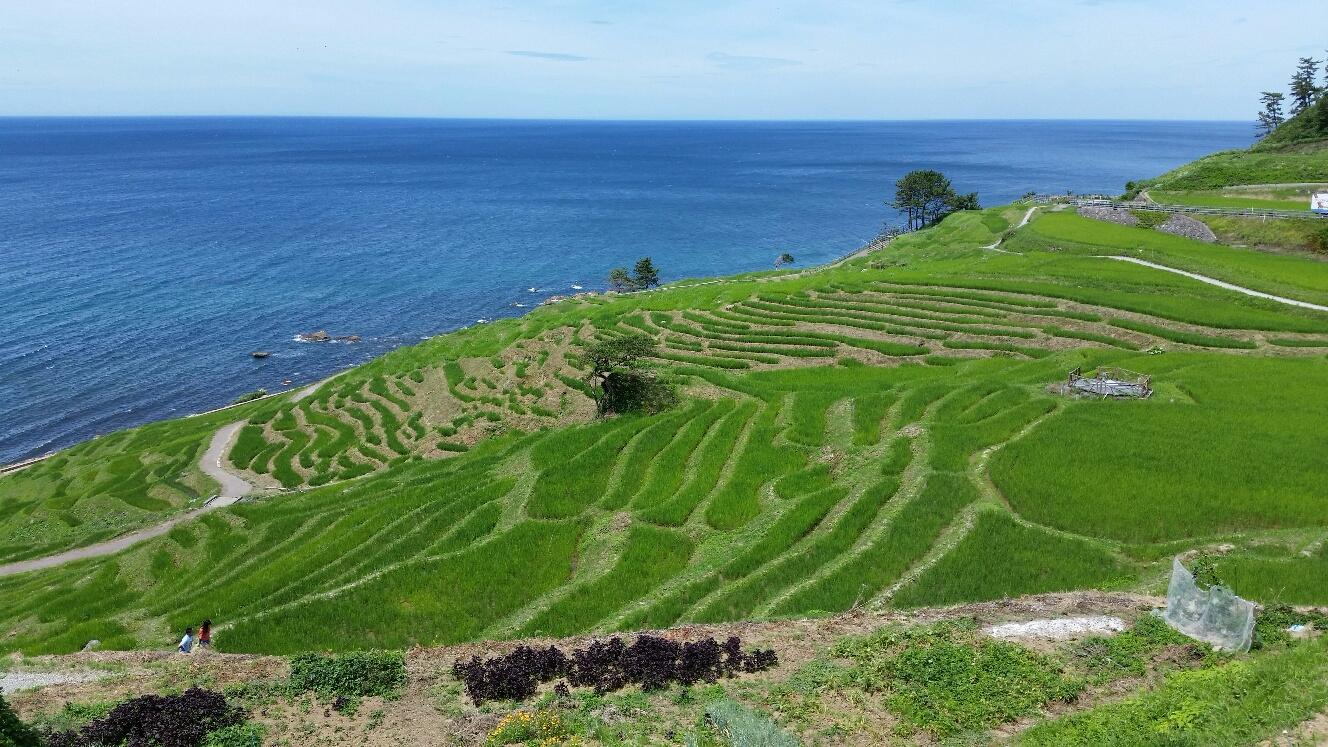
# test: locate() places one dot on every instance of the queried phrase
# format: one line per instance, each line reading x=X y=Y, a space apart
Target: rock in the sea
x=260 y=354
x=1111 y=215
x=319 y=336
x=1190 y=228
x=349 y=338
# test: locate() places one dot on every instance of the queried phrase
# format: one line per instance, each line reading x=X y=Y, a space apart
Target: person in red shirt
x=205 y=634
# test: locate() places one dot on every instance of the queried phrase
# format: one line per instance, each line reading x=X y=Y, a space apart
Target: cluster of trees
x=643 y=275
x=926 y=197
x=1305 y=92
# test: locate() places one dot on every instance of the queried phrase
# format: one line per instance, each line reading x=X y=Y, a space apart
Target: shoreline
x=872 y=245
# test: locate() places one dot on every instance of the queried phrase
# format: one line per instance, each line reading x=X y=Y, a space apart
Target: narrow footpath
x=1218 y=283
x=232 y=489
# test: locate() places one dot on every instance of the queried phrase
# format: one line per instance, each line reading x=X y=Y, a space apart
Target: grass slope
x=863 y=434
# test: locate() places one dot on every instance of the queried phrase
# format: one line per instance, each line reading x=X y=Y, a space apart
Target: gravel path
x=15 y=681
x=1219 y=283
x=232 y=489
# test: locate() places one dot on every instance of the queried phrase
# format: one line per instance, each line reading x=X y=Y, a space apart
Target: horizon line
x=613 y=119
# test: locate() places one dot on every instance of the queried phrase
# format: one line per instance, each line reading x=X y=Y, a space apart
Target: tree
x=1271 y=116
x=1304 y=89
x=620 y=380
x=783 y=259
x=646 y=274
x=621 y=280
x=926 y=197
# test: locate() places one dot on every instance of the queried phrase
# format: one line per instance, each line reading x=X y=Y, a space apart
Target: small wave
x=519 y=305
x=533 y=290
x=481 y=321
x=576 y=287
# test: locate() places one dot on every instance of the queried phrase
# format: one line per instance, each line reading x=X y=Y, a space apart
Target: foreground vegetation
x=858 y=679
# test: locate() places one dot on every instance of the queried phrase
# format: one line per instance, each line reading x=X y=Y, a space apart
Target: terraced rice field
x=873 y=434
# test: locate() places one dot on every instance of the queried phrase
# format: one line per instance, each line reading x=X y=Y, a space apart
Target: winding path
x=1218 y=283
x=995 y=247
x=232 y=489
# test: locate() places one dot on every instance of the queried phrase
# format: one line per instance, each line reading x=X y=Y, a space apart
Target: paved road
x=1220 y=283
x=232 y=489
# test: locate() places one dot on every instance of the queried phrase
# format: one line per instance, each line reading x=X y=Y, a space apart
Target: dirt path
x=1219 y=283
x=232 y=489
x=996 y=247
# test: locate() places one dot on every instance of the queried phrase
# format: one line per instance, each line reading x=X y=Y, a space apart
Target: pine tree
x=646 y=276
x=1304 y=89
x=1271 y=116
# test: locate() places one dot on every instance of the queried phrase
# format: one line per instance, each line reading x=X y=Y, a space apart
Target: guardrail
x=1167 y=208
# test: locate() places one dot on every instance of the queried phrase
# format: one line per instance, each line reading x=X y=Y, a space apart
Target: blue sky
x=686 y=59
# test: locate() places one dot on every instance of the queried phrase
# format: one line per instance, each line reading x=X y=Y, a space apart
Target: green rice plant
x=1001 y=558
x=651 y=556
x=568 y=487
x=644 y=450
x=1288 y=342
x=1074 y=334
x=249 y=442
x=282 y=468
x=802 y=561
x=908 y=535
x=868 y=416
x=454 y=375
x=737 y=502
x=704 y=360
x=1121 y=447
x=740 y=317
x=447 y=600
x=807 y=417
x=1188 y=338
x=789 y=352
x=1005 y=346
x=706 y=465
x=390 y=427
x=667 y=472
x=1277 y=580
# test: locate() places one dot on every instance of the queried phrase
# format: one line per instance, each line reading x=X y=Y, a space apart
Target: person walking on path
x=187 y=643
x=205 y=635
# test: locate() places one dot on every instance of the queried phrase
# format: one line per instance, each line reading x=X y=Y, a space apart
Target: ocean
x=142 y=260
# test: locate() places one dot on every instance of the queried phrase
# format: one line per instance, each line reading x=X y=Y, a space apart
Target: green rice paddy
x=874 y=433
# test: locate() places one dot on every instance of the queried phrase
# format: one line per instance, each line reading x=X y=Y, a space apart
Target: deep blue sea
x=142 y=260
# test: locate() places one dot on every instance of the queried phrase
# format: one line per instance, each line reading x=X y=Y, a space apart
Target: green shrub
x=13 y=732
x=240 y=735
x=741 y=726
x=352 y=674
x=946 y=679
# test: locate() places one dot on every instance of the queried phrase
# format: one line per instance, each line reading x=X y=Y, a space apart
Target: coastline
x=874 y=244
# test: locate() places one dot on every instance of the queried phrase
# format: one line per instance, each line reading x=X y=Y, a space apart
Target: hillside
x=873 y=435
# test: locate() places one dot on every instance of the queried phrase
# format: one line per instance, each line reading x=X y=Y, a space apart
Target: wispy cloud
x=556 y=56
x=746 y=62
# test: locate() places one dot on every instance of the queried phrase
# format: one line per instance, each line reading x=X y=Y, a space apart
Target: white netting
x=1215 y=615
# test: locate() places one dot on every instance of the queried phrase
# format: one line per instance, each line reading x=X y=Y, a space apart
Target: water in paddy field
x=143 y=260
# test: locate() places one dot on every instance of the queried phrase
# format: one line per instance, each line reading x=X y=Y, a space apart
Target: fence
x=1164 y=208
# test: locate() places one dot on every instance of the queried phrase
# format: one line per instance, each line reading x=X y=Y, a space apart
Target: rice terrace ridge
x=934 y=492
